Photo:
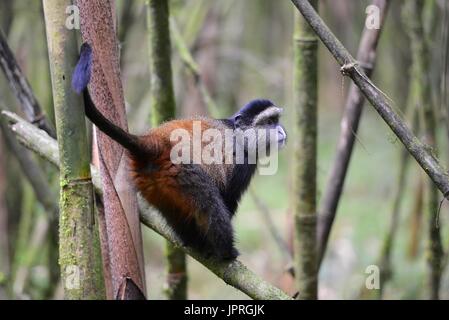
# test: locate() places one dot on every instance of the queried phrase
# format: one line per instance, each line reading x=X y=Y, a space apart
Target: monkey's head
x=258 y=122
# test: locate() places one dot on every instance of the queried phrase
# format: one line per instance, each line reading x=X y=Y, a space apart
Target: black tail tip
x=81 y=75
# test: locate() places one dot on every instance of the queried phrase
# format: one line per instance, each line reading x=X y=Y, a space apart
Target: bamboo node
x=437 y=217
x=308 y=219
x=347 y=67
x=306 y=43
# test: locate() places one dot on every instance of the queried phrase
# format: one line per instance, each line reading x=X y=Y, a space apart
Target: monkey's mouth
x=282 y=142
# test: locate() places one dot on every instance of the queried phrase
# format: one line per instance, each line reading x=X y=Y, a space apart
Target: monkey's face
x=258 y=123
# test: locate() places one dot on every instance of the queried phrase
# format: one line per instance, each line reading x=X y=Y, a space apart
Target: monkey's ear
x=81 y=75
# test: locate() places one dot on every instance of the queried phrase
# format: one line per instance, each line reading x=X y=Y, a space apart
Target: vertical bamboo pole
x=163 y=101
x=305 y=102
x=4 y=236
x=422 y=98
x=79 y=248
x=163 y=109
x=122 y=238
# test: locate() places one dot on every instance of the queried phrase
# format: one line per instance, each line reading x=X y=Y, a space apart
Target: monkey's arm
x=80 y=80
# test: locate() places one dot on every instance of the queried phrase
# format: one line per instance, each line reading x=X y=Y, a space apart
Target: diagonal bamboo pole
x=21 y=88
x=366 y=56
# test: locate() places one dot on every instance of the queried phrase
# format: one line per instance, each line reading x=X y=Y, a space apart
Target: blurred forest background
x=243 y=50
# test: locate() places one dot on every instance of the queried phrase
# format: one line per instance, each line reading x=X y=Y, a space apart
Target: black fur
x=250 y=110
x=237 y=184
x=241 y=175
x=218 y=240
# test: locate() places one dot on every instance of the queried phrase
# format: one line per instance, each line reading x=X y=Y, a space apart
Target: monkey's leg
x=208 y=230
x=189 y=233
x=220 y=235
x=211 y=216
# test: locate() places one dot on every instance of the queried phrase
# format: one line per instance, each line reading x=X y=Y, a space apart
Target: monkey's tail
x=80 y=80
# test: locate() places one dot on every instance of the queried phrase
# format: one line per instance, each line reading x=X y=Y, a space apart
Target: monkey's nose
x=282 y=133
x=282 y=136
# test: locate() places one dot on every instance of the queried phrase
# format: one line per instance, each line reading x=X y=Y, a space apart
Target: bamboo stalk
x=415 y=224
x=385 y=264
x=4 y=235
x=163 y=109
x=79 y=248
x=6 y=15
x=20 y=258
x=422 y=98
x=124 y=239
x=304 y=184
x=163 y=103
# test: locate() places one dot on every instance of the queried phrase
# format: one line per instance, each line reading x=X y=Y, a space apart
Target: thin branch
x=234 y=273
x=384 y=262
x=22 y=88
x=349 y=125
x=20 y=257
x=33 y=173
x=32 y=251
x=445 y=63
x=44 y=195
x=415 y=224
x=194 y=68
x=420 y=151
x=5 y=261
x=274 y=232
x=42 y=144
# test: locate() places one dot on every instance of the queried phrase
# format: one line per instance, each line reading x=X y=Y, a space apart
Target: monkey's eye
x=271 y=121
